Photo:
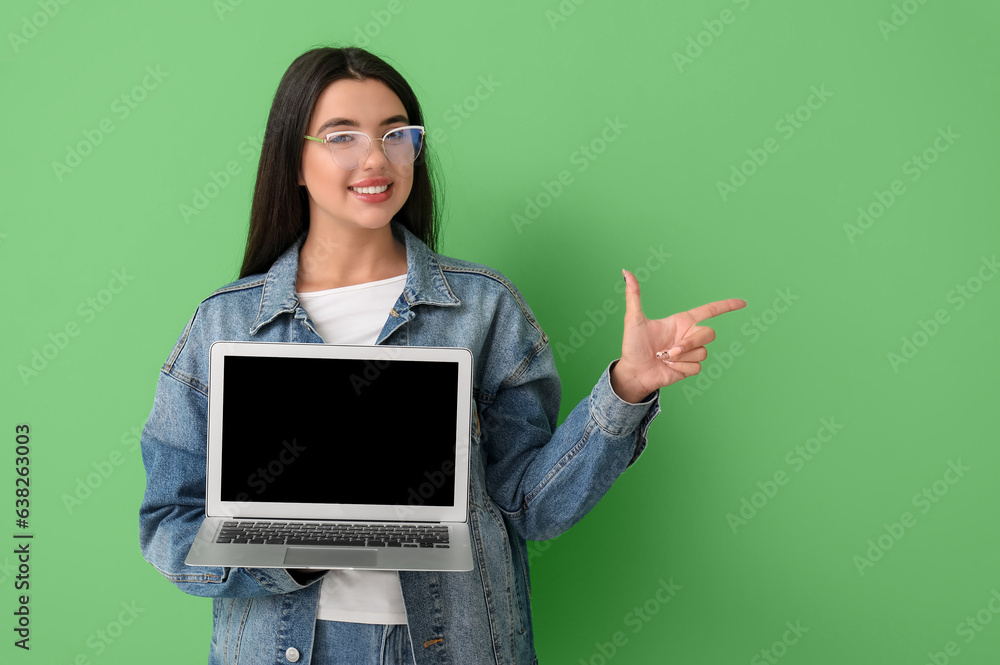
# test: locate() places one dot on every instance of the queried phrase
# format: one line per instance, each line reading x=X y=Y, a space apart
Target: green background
x=558 y=74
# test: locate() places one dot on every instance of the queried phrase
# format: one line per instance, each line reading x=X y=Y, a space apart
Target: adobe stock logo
x=462 y=110
x=786 y=126
x=562 y=12
x=924 y=500
x=796 y=458
x=581 y=333
x=223 y=7
x=38 y=20
x=916 y=166
x=969 y=628
x=421 y=494
x=899 y=17
x=636 y=619
x=714 y=27
x=60 y=340
x=218 y=181
x=719 y=362
x=779 y=648
x=960 y=295
x=381 y=18
x=260 y=479
x=122 y=106
x=373 y=367
x=102 y=470
x=581 y=158
x=101 y=639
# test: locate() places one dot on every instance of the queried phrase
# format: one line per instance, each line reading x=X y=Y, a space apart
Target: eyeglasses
x=400 y=146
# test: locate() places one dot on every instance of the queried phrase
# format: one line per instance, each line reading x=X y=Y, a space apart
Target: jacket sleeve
x=546 y=478
x=174 y=456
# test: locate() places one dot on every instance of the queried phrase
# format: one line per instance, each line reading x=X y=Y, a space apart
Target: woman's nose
x=376 y=157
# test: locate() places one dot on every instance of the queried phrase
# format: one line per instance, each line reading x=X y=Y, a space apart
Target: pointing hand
x=659 y=352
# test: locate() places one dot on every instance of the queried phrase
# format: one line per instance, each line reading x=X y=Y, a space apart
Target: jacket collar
x=425 y=281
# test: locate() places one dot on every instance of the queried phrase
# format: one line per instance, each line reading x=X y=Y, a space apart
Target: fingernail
x=623 y=276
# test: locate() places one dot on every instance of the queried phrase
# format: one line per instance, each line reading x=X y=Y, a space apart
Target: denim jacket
x=529 y=479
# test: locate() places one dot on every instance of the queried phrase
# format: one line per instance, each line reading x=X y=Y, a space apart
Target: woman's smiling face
x=367 y=106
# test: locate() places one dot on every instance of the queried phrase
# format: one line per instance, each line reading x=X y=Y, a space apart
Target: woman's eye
x=395 y=137
x=341 y=139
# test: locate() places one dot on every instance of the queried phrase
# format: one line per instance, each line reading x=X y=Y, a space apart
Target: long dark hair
x=280 y=209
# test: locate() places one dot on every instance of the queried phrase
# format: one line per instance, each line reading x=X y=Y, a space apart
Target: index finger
x=716 y=308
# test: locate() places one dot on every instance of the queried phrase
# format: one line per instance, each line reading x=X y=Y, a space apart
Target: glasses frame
x=368 y=149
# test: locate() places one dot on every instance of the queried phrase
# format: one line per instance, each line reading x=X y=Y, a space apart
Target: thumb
x=633 y=306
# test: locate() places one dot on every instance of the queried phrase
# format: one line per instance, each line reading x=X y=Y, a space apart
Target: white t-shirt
x=355 y=315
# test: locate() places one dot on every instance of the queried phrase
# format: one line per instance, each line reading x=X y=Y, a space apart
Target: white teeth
x=370 y=190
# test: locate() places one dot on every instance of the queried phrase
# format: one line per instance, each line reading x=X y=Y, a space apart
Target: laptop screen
x=307 y=430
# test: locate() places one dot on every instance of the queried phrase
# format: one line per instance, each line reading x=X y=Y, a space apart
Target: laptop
x=337 y=456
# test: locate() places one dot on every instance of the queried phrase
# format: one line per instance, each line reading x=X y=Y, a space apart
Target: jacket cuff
x=613 y=414
x=620 y=418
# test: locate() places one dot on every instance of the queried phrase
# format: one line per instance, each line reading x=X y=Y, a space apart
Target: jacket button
x=292 y=654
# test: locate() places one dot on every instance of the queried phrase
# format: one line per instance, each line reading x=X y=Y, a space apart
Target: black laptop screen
x=325 y=430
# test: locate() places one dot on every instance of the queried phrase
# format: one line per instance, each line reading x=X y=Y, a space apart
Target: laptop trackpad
x=326 y=556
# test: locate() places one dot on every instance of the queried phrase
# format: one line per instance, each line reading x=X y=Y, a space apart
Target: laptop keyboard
x=333 y=535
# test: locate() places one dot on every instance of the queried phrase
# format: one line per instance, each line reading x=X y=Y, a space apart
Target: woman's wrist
x=625 y=384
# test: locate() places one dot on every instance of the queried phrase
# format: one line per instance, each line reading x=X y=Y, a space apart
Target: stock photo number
x=22 y=441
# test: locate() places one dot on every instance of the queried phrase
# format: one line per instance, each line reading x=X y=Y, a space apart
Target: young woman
x=341 y=250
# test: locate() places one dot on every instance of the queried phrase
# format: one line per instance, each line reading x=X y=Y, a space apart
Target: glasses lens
x=348 y=148
x=403 y=145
